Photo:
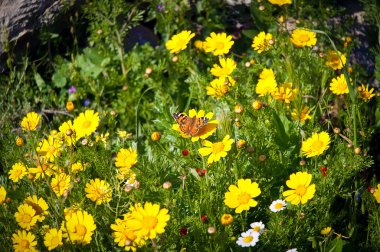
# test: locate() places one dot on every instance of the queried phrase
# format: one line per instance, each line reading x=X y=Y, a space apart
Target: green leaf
x=59 y=79
x=281 y=137
x=336 y=245
x=39 y=81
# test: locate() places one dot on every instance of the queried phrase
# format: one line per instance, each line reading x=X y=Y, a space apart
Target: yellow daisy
x=60 y=183
x=86 y=123
x=77 y=167
x=316 y=144
x=217 y=88
x=326 y=231
x=207 y=130
x=285 y=93
x=216 y=150
x=148 y=221
x=80 y=227
x=219 y=44
x=124 y=236
x=302 y=38
x=30 y=121
x=241 y=196
x=24 y=241
x=339 y=85
x=262 y=42
x=42 y=168
x=53 y=239
x=39 y=205
x=335 y=60
x=227 y=66
x=17 y=172
x=67 y=132
x=3 y=194
x=99 y=191
x=50 y=148
x=364 y=93
x=301 y=191
x=126 y=158
x=376 y=193
x=179 y=41
x=303 y=116
x=26 y=216
x=280 y=2
x=267 y=83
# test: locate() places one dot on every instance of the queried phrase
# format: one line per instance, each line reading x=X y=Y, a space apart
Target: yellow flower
x=285 y=93
x=67 y=132
x=326 y=231
x=365 y=94
x=77 y=167
x=226 y=219
x=86 y=123
x=17 y=172
x=333 y=60
x=227 y=66
x=60 y=183
x=301 y=191
x=30 y=121
x=42 y=168
x=262 y=42
x=216 y=150
x=267 y=83
x=179 y=41
x=207 y=130
x=70 y=106
x=3 y=194
x=124 y=236
x=80 y=227
x=156 y=136
x=99 y=191
x=303 y=116
x=102 y=137
x=126 y=158
x=219 y=43
x=338 y=85
x=218 y=88
x=198 y=44
x=39 y=205
x=53 y=239
x=241 y=196
x=280 y=2
x=19 y=141
x=376 y=193
x=302 y=38
x=24 y=241
x=148 y=221
x=124 y=173
x=26 y=216
x=50 y=148
x=316 y=144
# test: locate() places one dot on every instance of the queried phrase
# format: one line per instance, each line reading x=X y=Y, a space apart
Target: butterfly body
x=190 y=125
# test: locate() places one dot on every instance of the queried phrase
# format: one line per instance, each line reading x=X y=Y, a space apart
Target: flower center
x=248 y=239
x=217 y=147
x=256 y=229
x=26 y=218
x=243 y=198
x=150 y=222
x=219 y=45
x=301 y=190
x=24 y=244
x=278 y=205
x=54 y=241
x=80 y=230
x=86 y=124
x=51 y=149
x=18 y=173
x=317 y=145
x=304 y=38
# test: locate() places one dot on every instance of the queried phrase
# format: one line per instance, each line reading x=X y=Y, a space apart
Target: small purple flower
x=86 y=102
x=160 y=7
x=72 y=90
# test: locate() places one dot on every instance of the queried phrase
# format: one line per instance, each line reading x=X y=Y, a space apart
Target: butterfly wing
x=189 y=126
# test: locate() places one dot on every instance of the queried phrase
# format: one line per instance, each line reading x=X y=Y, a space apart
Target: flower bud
x=240 y=143
x=175 y=59
x=302 y=162
x=257 y=105
x=238 y=109
x=167 y=185
x=19 y=141
x=85 y=141
x=262 y=158
x=70 y=106
x=69 y=132
x=156 y=136
x=357 y=150
x=148 y=70
x=211 y=230
x=336 y=130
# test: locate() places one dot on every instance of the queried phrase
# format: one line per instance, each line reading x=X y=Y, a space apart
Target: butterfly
x=190 y=125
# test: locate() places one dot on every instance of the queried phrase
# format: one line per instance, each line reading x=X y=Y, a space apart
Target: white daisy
x=277 y=205
x=292 y=250
x=248 y=239
x=257 y=227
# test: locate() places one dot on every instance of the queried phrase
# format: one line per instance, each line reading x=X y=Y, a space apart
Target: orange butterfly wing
x=189 y=126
